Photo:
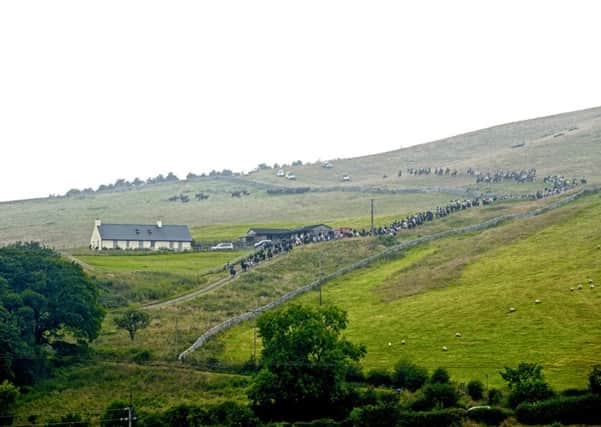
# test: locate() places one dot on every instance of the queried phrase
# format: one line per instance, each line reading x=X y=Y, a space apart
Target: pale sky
x=95 y=91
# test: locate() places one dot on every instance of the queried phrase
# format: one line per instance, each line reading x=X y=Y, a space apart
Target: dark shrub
x=442 y=418
x=489 y=416
x=232 y=414
x=69 y=420
x=142 y=357
x=566 y=410
x=436 y=396
x=529 y=392
x=475 y=389
x=354 y=373
x=378 y=377
x=574 y=392
x=408 y=375
x=594 y=379
x=374 y=416
x=111 y=417
x=440 y=376
x=324 y=422
x=494 y=396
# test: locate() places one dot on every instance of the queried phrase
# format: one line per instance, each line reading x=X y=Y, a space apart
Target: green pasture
x=88 y=388
x=467 y=284
x=187 y=263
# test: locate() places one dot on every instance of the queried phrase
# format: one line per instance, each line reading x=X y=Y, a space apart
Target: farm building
x=258 y=234
x=140 y=236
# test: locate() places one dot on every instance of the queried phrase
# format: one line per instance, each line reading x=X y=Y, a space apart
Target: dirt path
x=187 y=297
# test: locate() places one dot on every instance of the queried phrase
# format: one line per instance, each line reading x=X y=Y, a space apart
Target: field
x=467 y=284
x=463 y=283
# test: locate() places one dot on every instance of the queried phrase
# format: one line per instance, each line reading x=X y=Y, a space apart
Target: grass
x=139 y=278
x=89 y=388
x=467 y=284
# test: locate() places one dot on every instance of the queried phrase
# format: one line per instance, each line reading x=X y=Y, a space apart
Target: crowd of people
x=556 y=184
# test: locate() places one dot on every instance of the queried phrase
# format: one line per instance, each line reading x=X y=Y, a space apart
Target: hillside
x=467 y=284
x=568 y=144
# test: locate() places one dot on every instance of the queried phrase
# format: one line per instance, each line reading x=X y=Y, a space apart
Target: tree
x=304 y=363
x=132 y=321
x=526 y=383
x=594 y=379
x=440 y=376
x=8 y=397
x=43 y=299
x=408 y=375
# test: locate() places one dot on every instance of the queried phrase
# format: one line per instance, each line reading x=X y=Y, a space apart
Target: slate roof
x=269 y=231
x=284 y=231
x=166 y=233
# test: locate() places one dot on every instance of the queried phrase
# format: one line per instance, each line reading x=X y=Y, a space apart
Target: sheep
x=402 y=342
x=579 y=287
x=572 y=289
x=537 y=301
x=458 y=334
x=590 y=281
x=592 y=286
x=511 y=309
x=444 y=348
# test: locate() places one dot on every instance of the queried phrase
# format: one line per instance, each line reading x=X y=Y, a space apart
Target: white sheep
x=402 y=342
x=537 y=301
x=458 y=334
x=572 y=289
x=579 y=287
x=592 y=286
x=590 y=280
x=511 y=309
x=444 y=348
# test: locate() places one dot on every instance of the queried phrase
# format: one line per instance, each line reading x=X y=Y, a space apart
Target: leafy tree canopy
x=304 y=362
x=43 y=298
x=132 y=321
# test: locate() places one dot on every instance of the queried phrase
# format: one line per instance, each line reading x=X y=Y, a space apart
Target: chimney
x=159 y=224
x=97 y=223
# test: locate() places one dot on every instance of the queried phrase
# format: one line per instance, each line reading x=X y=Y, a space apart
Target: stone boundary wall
x=366 y=261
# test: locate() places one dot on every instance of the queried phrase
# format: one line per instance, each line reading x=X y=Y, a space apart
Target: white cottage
x=140 y=236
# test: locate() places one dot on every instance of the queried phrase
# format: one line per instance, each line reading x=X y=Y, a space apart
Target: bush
x=8 y=397
x=142 y=357
x=475 y=389
x=441 y=418
x=436 y=395
x=354 y=373
x=494 y=396
x=69 y=420
x=489 y=416
x=112 y=414
x=440 y=376
x=324 y=422
x=529 y=392
x=566 y=410
x=594 y=379
x=374 y=416
x=408 y=375
x=378 y=377
x=232 y=414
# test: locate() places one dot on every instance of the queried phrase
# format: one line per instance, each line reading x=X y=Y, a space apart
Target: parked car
x=264 y=244
x=223 y=247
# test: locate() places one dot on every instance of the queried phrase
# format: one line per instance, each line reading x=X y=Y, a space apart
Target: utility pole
x=372 y=217
x=176 y=333
x=320 y=276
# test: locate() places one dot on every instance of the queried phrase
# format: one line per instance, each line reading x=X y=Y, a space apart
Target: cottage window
x=140 y=244
x=179 y=246
x=171 y=245
x=115 y=244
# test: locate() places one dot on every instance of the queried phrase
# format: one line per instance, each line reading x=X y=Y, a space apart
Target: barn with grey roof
x=141 y=237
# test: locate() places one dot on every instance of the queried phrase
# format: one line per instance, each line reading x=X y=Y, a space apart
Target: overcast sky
x=95 y=91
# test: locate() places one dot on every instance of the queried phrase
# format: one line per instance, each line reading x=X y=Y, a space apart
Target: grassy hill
x=467 y=284
x=568 y=144
x=463 y=283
